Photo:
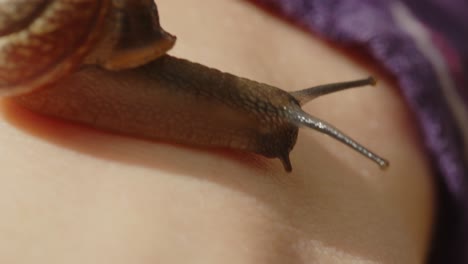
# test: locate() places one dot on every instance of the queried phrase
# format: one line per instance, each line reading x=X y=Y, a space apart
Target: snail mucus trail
x=114 y=74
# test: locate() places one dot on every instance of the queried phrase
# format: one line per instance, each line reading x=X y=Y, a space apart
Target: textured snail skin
x=175 y=100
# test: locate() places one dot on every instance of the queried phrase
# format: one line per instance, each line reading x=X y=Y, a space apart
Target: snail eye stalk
x=309 y=94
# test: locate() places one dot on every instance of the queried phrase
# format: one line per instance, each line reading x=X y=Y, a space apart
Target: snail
x=104 y=63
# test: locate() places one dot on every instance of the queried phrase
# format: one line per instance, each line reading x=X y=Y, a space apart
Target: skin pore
x=72 y=194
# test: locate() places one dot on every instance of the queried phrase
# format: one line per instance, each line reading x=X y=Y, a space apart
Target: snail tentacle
x=303 y=119
x=306 y=95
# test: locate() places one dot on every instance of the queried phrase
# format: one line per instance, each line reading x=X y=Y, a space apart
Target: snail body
x=127 y=83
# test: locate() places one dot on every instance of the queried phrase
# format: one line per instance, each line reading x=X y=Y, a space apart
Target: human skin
x=72 y=194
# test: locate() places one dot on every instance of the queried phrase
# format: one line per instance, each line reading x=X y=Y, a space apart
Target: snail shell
x=41 y=41
x=104 y=64
x=44 y=40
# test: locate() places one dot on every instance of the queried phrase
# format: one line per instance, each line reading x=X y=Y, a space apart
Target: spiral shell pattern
x=43 y=40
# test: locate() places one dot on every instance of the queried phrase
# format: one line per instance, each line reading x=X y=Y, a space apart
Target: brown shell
x=42 y=40
x=132 y=36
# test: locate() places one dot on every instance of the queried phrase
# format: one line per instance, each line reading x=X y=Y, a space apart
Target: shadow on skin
x=84 y=139
x=316 y=203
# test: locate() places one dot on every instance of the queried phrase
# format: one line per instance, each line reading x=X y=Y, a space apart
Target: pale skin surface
x=76 y=195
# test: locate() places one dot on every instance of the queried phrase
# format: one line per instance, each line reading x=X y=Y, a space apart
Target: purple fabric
x=374 y=26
